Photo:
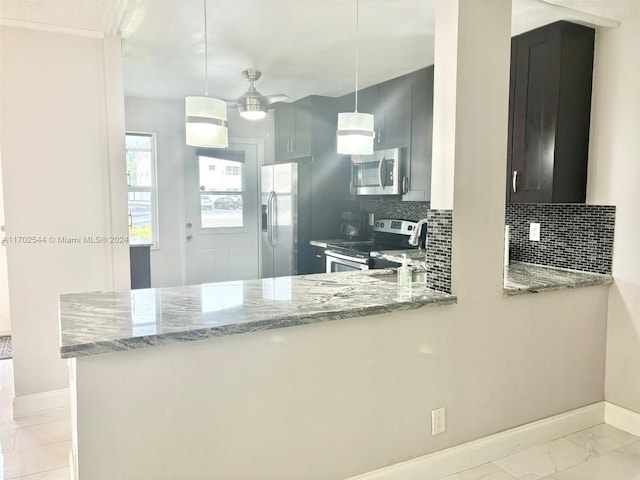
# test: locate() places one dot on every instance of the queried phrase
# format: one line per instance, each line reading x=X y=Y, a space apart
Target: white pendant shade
x=355 y=133
x=206 y=122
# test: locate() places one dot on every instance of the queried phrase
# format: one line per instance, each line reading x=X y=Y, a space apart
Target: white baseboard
x=468 y=455
x=621 y=418
x=39 y=402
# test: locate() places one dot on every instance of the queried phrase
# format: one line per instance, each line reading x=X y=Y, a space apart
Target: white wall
x=62 y=158
x=614 y=178
x=165 y=118
x=5 y=320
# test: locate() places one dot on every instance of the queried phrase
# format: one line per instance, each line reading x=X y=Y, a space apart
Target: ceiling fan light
x=206 y=122
x=253 y=114
x=251 y=108
x=355 y=133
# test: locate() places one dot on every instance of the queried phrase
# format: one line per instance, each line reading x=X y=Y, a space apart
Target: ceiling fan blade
x=232 y=103
x=269 y=99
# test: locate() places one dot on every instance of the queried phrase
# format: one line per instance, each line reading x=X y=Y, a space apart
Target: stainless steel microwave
x=382 y=173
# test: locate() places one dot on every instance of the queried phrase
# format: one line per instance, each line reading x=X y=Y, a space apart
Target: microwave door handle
x=380 y=167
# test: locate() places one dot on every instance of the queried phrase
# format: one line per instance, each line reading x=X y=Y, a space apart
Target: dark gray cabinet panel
x=419 y=158
x=292 y=139
x=549 y=114
x=140 y=264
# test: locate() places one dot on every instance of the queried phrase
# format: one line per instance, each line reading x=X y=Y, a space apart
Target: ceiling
x=302 y=46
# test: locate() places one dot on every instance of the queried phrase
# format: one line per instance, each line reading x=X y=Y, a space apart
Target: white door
x=221 y=203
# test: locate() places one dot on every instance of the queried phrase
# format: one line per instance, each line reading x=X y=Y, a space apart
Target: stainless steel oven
x=338 y=262
x=382 y=173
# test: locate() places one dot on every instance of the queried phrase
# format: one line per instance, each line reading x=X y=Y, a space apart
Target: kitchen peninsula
x=117 y=410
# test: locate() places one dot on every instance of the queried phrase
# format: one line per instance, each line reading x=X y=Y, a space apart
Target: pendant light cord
x=206 y=53
x=357 y=48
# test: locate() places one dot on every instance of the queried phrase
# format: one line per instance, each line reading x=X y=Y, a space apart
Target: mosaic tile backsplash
x=391 y=208
x=438 y=262
x=573 y=236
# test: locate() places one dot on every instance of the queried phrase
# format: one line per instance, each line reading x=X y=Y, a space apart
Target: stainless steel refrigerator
x=285 y=217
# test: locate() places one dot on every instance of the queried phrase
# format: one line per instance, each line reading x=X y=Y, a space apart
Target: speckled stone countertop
x=337 y=241
x=415 y=257
x=94 y=323
x=521 y=278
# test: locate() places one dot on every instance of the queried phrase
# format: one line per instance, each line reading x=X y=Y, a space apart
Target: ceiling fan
x=252 y=105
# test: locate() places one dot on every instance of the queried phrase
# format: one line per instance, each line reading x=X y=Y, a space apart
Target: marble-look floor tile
x=483 y=472
x=42 y=434
x=602 y=438
x=533 y=463
x=57 y=474
x=7 y=440
x=20 y=463
x=6 y=422
x=558 y=455
x=621 y=464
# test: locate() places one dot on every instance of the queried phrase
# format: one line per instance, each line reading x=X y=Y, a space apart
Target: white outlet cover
x=437 y=421
x=534 y=232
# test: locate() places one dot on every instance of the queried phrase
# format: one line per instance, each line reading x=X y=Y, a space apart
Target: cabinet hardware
x=514 y=181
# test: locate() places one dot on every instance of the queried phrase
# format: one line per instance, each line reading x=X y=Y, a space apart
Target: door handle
x=189 y=238
x=271 y=212
x=274 y=220
x=514 y=181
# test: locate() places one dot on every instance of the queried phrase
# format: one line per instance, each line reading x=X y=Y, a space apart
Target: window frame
x=152 y=190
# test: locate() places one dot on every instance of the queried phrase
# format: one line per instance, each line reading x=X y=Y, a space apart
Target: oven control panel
x=393 y=225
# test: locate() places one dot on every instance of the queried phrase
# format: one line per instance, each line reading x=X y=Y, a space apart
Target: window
x=221 y=192
x=141 y=182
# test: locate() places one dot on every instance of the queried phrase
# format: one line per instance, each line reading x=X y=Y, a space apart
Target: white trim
x=477 y=452
x=40 y=402
x=622 y=418
x=8 y=22
x=580 y=15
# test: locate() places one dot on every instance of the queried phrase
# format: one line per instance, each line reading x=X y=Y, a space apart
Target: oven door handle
x=331 y=253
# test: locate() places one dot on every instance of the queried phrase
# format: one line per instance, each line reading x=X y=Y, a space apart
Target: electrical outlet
x=534 y=232
x=437 y=421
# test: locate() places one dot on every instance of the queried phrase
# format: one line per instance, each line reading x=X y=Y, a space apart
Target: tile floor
x=37 y=448
x=597 y=453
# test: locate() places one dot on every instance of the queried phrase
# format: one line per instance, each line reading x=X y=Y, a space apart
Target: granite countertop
x=521 y=278
x=94 y=323
x=415 y=257
x=338 y=241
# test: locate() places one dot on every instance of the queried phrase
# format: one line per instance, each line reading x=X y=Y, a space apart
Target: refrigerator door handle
x=274 y=219
x=272 y=195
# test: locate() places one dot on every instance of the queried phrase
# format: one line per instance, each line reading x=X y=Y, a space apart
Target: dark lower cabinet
x=317 y=260
x=549 y=113
x=140 y=263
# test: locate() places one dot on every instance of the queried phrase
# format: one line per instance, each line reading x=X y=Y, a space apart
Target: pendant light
x=355 y=130
x=206 y=117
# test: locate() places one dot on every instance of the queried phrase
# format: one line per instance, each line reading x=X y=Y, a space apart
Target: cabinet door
x=395 y=106
x=535 y=114
x=285 y=124
x=419 y=155
x=301 y=143
x=369 y=102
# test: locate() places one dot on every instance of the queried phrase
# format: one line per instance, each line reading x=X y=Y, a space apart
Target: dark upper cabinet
x=390 y=104
x=394 y=128
x=292 y=128
x=419 y=157
x=549 y=112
